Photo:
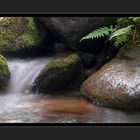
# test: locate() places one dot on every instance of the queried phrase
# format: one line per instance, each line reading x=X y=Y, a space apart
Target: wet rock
x=101 y=49
x=4 y=72
x=117 y=83
x=105 y=55
x=87 y=59
x=19 y=33
x=71 y=29
x=58 y=74
x=129 y=54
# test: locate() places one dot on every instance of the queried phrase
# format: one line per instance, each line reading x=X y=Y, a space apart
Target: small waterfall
x=23 y=72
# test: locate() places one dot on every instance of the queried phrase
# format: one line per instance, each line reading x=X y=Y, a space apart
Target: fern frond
x=121 y=36
x=136 y=20
x=101 y=32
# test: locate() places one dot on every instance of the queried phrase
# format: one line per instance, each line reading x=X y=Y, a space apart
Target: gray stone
x=117 y=83
x=72 y=29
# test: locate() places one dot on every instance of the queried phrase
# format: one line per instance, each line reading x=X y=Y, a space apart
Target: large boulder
x=117 y=83
x=57 y=74
x=4 y=72
x=72 y=29
x=19 y=33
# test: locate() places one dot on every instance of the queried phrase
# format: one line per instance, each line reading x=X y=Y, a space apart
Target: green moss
x=31 y=24
x=3 y=65
x=18 y=32
x=27 y=39
x=58 y=73
x=6 y=32
x=63 y=62
x=3 y=59
x=3 y=43
x=32 y=37
x=4 y=72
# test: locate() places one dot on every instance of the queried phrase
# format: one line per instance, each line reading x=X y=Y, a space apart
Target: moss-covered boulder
x=4 y=72
x=58 y=74
x=19 y=33
x=117 y=83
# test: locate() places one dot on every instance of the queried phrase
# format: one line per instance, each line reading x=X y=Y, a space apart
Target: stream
x=18 y=105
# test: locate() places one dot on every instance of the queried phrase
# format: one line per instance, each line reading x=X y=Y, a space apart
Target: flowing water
x=18 y=105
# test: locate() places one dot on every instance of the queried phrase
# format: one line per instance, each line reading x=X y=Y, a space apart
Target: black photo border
x=69 y=8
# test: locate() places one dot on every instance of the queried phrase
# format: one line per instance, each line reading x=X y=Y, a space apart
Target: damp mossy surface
x=63 y=62
x=4 y=72
x=18 y=33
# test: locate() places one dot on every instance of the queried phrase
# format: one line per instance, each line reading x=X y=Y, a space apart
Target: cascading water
x=23 y=73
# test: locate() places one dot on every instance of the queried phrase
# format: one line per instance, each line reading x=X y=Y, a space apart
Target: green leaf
x=121 y=36
x=101 y=32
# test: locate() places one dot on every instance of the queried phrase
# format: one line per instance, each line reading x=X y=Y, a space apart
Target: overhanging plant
x=125 y=33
